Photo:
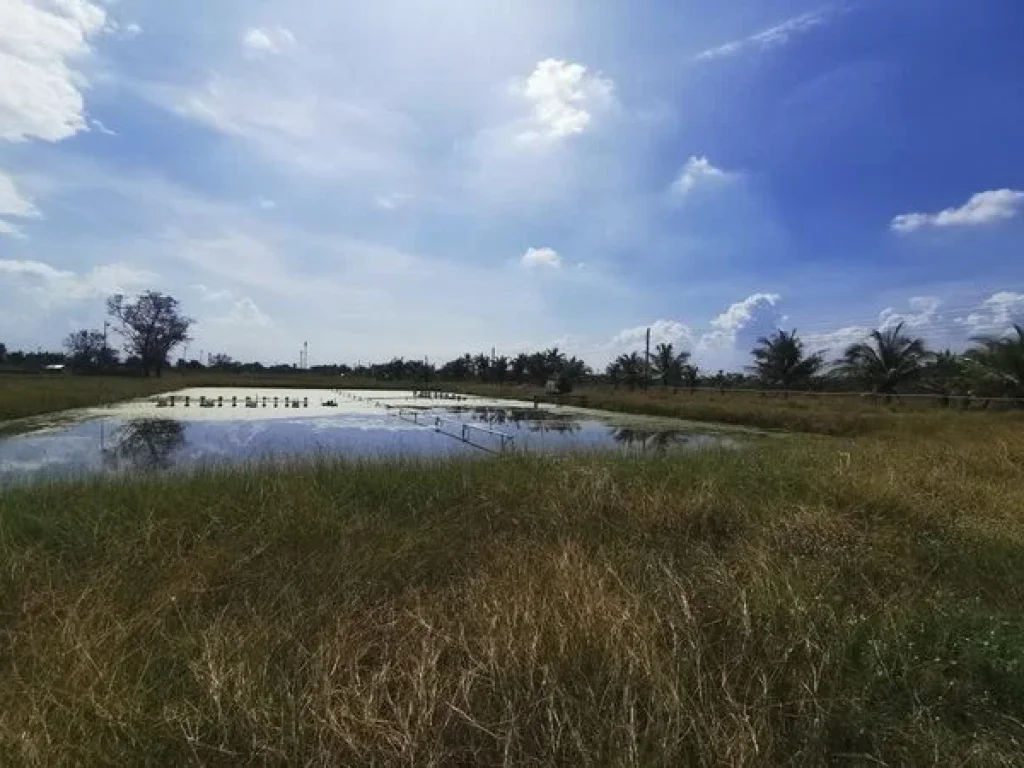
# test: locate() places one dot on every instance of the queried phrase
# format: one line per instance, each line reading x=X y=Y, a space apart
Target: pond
x=209 y=427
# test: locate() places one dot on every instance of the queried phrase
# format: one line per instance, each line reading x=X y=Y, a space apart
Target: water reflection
x=524 y=418
x=160 y=444
x=147 y=445
x=649 y=440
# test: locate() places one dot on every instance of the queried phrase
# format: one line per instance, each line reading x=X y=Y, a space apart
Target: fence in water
x=455 y=428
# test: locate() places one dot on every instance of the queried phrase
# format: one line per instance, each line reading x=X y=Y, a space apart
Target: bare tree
x=151 y=326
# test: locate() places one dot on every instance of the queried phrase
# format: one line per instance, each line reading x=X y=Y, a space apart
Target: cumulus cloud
x=41 y=44
x=265 y=42
x=982 y=209
x=758 y=312
x=662 y=332
x=923 y=312
x=541 y=257
x=774 y=36
x=14 y=204
x=996 y=314
x=52 y=286
x=742 y=313
x=565 y=97
x=698 y=171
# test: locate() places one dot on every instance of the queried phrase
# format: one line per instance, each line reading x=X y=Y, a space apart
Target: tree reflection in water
x=649 y=440
x=145 y=445
x=526 y=418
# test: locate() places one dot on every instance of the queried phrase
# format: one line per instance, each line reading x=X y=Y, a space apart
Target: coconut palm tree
x=999 y=362
x=669 y=364
x=884 y=362
x=628 y=369
x=780 y=361
x=946 y=375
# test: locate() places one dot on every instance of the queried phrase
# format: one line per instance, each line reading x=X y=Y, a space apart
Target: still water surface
x=154 y=443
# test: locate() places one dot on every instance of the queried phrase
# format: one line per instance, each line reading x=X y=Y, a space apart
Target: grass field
x=24 y=395
x=851 y=600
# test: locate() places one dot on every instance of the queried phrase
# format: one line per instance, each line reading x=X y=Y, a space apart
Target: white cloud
x=294 y=124
x=40 y=44
x=14 y=204
x=697 y=171
x=245 y=312
x=743 y=323
x=742 y=313
x=773 y=37
x=923 y=312
x=983 y=208
x=266 y=204
x=834 y=343
x=541 y=257
x=99 y=126
x=9 y=229
x=235 y=309
x=565 y=98
x=263 y=42
x=52 y=286
x=662 y=332
x=996 y=314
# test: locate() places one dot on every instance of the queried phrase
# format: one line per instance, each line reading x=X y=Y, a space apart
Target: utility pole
x=647 y=362
x=305 y=355
x=106 y=354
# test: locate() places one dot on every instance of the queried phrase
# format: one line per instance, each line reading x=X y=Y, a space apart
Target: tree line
x=889 y=361
x=149 y=327
x=152 y=325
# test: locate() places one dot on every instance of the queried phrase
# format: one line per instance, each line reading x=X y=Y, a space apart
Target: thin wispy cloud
x=984 y=208
x=774 y=36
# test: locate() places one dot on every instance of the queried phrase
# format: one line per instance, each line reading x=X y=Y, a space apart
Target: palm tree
x=668 y=364
x=884 y=362
x=779 y=361
x=628 y=369
x=999 y=361
x=945 y=375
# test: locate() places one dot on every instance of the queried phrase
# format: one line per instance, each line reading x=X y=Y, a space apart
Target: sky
x=410 y=178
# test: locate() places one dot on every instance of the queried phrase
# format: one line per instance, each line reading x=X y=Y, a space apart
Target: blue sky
x=410 y=178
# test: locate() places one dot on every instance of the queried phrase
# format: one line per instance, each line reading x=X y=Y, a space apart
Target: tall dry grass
x=801 y=602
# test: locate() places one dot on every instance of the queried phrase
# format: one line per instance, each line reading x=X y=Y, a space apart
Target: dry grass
x=836 y=415
x=815 y=601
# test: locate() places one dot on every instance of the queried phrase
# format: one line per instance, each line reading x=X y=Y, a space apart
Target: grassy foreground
x=817 y=600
